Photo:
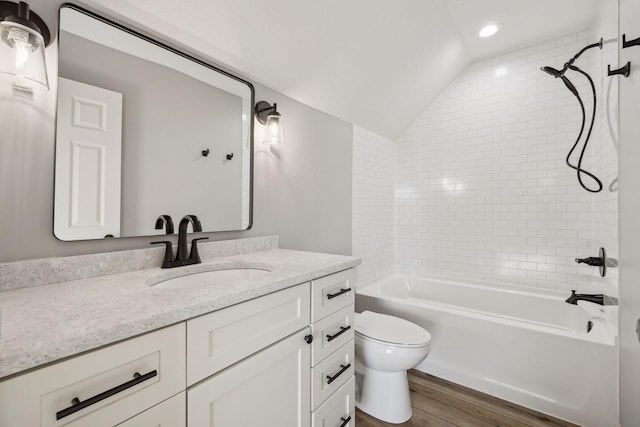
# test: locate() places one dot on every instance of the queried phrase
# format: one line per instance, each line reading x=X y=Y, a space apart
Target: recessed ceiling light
x=488 y=30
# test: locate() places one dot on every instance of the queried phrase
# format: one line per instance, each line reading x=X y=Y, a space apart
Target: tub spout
x=594 y=298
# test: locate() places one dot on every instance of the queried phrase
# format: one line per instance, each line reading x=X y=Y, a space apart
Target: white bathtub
x=519 y=344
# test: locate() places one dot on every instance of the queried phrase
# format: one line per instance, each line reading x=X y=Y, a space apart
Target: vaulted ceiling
x=375 y=63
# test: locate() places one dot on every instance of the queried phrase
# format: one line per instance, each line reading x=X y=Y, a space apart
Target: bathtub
x=519 y=344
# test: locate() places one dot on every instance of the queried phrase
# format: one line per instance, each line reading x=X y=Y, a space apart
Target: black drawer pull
x=343 y=329
x=331 y=379
x=337 y=294
x=345 y=421
x=78 y=405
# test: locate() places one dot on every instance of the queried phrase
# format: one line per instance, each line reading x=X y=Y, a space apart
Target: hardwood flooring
x=440 y=403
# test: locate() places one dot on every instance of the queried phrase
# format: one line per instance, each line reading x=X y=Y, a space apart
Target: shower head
x=560 y=74
x=552 y=71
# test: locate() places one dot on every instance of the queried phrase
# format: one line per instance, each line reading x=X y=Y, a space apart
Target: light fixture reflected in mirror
x=269 y=116
x=23 y=38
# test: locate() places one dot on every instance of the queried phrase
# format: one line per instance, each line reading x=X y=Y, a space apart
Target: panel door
x=88 y=162
x=270 y=388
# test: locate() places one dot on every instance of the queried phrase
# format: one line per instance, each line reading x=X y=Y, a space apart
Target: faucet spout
x=183 y=253
x=594 y=298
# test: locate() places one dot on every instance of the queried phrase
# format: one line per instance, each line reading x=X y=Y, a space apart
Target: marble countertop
x=42 y=324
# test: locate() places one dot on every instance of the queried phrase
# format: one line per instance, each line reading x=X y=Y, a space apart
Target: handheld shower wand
x=561 y=74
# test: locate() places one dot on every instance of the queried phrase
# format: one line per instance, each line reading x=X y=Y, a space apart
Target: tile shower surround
x=481 y=188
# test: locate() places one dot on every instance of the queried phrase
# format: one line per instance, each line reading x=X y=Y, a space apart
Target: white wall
x=372 y=204
x=302 y=193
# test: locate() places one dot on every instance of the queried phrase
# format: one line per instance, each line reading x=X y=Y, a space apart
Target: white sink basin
x=215 y=277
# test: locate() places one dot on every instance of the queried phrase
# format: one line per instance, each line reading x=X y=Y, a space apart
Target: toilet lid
x=390 y=329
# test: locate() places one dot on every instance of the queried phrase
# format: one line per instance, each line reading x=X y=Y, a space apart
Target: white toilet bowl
x=386 y=347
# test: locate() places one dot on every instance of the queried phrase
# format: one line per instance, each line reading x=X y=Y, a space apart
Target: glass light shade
x=275 y=130
x=22 y=60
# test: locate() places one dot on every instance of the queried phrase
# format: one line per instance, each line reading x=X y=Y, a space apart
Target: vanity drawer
x=339 y=410
x=331 y=333
x=219 y=339
x=170 y=413
x=331 y=293
x=330 y=374
x=106 y=380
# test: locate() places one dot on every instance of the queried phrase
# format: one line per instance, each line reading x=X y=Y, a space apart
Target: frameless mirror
x=145 y=130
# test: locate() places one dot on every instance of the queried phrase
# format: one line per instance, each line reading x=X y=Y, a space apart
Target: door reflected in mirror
x=144 y=130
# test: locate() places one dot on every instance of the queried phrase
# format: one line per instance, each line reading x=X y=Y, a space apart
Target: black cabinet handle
x=343 y=329
x=308 y=338
x=345 y=421
x=337 y=294
x=623 y=71
x=331 y=379
x=78 y=405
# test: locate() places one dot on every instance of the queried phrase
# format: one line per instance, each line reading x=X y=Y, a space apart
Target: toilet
x=386 y=346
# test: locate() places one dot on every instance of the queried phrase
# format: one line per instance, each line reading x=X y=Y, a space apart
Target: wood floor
x=439 y=403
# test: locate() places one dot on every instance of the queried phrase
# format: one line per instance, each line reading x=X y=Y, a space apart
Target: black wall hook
x=229 y=156
x=630 y=43
x=205 y=153
x=623 y=71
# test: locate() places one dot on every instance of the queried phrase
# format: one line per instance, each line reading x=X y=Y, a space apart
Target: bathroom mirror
x=145 y=130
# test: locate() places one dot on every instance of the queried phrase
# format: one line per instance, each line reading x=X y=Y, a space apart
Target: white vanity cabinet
x=282 y=359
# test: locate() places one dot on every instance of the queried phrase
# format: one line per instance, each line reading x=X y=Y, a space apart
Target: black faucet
x=183 y=257
x=595 y=298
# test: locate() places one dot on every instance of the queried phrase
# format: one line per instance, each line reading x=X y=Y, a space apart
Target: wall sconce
x=268 y=115
x=23 y=37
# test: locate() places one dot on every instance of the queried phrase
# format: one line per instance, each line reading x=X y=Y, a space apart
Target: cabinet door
x=270 y=388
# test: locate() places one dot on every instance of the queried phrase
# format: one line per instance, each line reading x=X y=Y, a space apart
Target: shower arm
x=577 y=55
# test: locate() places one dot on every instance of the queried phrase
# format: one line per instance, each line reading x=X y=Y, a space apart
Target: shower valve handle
x=601 y=261
x=594 y=261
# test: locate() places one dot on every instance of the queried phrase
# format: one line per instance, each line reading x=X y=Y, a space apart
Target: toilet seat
x=391 y=330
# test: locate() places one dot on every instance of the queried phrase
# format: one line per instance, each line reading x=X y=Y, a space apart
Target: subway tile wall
x=372 y=204
x=481 y=186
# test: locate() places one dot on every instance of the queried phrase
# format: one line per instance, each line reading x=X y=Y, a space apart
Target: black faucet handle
x=165 y=220
x=167 y=261
x=194 y=249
